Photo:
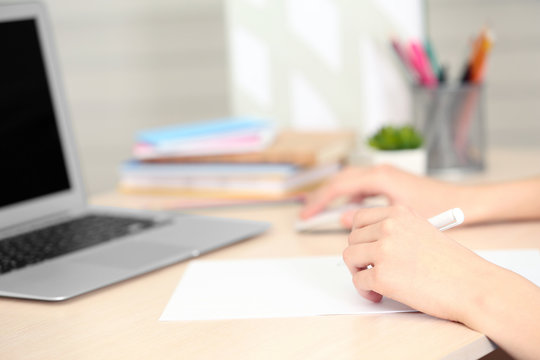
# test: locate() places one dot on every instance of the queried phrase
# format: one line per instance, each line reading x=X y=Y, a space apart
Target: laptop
x=53 y=245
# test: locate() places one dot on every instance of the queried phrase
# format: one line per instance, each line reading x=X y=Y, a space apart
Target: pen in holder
x=451 y=119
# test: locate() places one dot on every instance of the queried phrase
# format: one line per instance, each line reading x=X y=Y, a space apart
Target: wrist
x=490 y=202
x=491 y=298
x=475 y=201
x=480 y=301
x=505 y=309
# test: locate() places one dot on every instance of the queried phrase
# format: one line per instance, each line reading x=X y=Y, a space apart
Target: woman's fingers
x=371 y=233
x=368 y=216
x=323 y=197
x=359 y=256
x=363 y=282
x=347 y=218
x=387 y=216
x=359 y=260
x=352 y=183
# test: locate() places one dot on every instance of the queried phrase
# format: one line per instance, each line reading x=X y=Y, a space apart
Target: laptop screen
x=32 y=163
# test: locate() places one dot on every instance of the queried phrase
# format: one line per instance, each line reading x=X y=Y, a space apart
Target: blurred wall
x=132 y=64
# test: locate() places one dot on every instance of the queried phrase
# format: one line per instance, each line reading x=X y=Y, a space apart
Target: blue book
x=136 y=168
x=202 y=129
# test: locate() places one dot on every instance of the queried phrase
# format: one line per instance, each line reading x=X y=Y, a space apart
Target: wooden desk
x=121 y=321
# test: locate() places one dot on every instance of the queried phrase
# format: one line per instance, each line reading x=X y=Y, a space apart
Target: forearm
x=516 y=200
x=506 y=308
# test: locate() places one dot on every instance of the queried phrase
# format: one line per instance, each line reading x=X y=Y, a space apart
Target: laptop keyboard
x=59 y=239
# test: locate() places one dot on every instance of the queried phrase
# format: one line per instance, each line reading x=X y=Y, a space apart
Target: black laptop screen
x=32 y=163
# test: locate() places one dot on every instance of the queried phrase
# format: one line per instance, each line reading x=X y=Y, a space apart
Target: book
x=304 y=149
x=233 y=143
x=202 y=129
x=211 y=137
x=229 y=186
x=168 y=202
x=142 y=169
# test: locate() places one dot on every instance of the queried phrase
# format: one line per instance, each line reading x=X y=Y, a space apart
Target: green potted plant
x=400 y=146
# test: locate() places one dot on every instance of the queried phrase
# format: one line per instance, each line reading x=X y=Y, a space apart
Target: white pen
x=447 y=219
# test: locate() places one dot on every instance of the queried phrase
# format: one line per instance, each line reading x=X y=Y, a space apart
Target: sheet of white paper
x=269 y=288
x=293 y=287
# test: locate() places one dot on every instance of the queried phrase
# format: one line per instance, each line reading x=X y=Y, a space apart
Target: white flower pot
x=413 y=161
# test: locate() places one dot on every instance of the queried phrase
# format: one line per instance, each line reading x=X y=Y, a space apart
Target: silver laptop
x=53 y=246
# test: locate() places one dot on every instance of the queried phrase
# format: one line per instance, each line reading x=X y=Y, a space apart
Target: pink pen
x=420 y=61
x=405 y=61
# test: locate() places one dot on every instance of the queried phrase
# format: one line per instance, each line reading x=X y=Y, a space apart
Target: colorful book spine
x=203 y=129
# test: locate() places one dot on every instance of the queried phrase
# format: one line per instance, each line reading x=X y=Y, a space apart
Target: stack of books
x=233 y=160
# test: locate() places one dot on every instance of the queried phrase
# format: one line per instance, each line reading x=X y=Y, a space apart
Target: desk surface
x=121 y=321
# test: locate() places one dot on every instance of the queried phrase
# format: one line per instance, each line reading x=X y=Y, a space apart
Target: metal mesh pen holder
x=451 y=119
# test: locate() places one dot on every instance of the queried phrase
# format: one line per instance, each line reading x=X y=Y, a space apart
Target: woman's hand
x=411 y=261
x=399 y=187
